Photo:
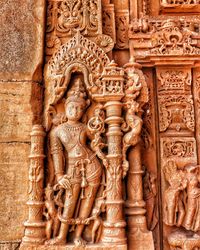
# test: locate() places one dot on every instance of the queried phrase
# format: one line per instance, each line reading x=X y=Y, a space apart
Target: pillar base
x=34 y=233
x=99 y=246
x=114 y=233
x=140 y=240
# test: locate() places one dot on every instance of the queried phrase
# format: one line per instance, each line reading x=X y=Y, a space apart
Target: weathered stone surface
x=13 y=189
x=20 y=104
x=21 y=39
x=19 y=108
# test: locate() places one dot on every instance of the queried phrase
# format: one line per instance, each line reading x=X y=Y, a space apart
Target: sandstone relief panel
x=114 y=144
x=87 y=141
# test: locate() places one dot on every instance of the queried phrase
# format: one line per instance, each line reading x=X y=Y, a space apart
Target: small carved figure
x=150 y=193
x=76 y=167
x=96 y=128
x=99 y=207
x=173 y=207
x=51 y=215
x=192 y=216
x=131 y=138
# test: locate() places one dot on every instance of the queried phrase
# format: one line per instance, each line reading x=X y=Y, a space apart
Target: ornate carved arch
x=78 y=55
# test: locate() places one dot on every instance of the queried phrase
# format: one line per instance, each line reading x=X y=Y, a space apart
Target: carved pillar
x=196 y=95
x=35 y=226
x=115 y=225
x=138 y=235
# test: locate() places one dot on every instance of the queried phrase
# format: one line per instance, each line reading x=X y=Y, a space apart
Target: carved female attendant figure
x=132 y=137
x=173 y=208
x=192 y=217
x=77 y=169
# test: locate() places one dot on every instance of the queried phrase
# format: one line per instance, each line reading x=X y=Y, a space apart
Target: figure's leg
x=96 y=225
x=85 y=210
x=49 y=228
x=181 y=214
x=68 y=212
x=190 y=214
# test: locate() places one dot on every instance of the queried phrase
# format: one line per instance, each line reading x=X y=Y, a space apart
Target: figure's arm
x=58 y=161
x=57 y=155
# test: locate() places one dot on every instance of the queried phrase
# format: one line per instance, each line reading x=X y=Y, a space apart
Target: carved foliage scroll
x=122 y=23
x=108 y=21
x=66 y=17
x=164 y=37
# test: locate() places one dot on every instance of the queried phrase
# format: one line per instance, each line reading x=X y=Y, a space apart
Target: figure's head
x=191 y=168
x=76 y=102
x=74 y=110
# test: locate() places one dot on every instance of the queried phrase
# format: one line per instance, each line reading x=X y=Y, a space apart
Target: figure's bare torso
x=73 y=138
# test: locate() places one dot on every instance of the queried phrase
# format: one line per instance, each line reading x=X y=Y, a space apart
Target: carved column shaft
x=34 y=226
x=138 y=237
x=135 y=203
x=114 y=230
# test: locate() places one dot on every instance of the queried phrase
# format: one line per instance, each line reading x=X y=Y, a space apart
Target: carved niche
x=92 y=118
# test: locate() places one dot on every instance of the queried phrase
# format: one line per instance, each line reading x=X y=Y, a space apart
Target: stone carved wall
x=116 y=134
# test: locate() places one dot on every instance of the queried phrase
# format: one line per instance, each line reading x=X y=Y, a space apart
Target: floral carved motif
x=178 y=147
x=108 y=21
x=178 y=80
x=160 y=37
x=122 y=23
x=66 y=17
x=171 y=38
x=180 y=1
x=176 y=112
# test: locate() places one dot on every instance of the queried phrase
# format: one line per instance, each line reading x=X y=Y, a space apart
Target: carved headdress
x=77 y=92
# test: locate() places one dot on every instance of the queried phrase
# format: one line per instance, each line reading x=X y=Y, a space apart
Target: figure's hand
x=125 y=167
x=64 y=182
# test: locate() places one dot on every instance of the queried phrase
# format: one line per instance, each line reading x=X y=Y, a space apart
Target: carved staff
x=35 y=226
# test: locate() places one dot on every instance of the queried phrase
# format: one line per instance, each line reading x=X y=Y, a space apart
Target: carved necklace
x=74 y=127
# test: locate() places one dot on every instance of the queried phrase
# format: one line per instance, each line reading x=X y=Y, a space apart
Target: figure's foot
x=55 y=241
x=78 y=241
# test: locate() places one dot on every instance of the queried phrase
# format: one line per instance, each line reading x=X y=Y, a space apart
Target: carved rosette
x=35 y=226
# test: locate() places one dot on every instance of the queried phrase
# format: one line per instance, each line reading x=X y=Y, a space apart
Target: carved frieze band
x=161 y=37
x=179 y=6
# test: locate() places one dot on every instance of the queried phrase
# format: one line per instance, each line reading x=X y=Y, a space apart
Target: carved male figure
x=77 y=169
